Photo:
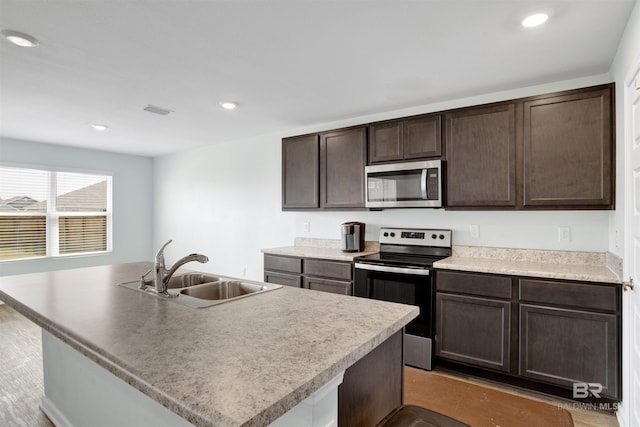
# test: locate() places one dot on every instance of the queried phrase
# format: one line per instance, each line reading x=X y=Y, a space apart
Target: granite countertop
x=244 y=362
x=322 y=249
x=582 y=266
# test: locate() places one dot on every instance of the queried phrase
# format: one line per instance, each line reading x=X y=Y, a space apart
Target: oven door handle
x=388 y=269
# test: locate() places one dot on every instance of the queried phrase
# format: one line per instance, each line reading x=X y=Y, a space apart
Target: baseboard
x=51 y=410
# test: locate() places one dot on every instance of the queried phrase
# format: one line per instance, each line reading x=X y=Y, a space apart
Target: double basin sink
x=204 y=290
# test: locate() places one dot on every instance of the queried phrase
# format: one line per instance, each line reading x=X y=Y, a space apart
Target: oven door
x=404 y=285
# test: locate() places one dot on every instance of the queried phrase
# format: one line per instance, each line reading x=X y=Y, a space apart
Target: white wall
x=626 y=58
x=628 y=54
x=224 y=201
x=132 y=201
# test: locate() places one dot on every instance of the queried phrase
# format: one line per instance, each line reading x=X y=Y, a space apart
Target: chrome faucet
x=162 y=275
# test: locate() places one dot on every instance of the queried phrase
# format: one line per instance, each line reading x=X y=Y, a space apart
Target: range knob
x=433 y=236
x=393 y=234
x=386 y=234
x=441 y=237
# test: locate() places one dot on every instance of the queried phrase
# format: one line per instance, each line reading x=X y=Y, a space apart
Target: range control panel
x=415 y=236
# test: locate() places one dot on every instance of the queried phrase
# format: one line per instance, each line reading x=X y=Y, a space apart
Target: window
x=53 y=213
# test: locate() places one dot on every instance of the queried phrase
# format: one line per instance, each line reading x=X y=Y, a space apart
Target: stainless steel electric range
x=403 y=272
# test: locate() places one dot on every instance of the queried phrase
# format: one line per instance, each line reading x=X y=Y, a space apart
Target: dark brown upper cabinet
x=301 y=172
x=568 y=150
x=342 y=161
x=552 y=151
x=481 y=156
x=409 y=139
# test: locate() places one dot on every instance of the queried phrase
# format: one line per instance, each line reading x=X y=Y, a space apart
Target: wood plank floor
x=581 y=417
x=20 y=371
x=21 y=384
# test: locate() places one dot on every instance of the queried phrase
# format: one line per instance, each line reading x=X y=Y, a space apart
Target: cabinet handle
x=628 y=285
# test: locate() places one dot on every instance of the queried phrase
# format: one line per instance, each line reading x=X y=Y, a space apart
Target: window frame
x=52 y=216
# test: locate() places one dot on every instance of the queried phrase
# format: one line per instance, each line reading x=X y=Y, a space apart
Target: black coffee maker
x=352 y=237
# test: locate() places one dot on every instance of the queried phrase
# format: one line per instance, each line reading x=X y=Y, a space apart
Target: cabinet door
x=372 y=387
x=326 y=285
x=561 y=347
x=475 y=331
x=342 y=162
x=385 y=142
x=481 y=157
x=568 y=147
x=422 y=137
x=283 y=279
x=300 y=172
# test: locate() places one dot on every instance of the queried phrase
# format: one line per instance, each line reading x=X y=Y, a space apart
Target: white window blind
x=51 y=213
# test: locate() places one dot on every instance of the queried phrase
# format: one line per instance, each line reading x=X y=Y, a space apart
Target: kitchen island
x=247 y=362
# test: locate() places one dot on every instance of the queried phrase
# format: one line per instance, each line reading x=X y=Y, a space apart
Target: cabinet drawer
x=584 y=296
x=325 y=285
x=282 y=263
x=333 y=269
x=474 y=284
x=283 y=279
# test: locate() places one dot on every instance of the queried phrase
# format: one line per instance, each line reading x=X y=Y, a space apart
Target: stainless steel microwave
x=404 y=185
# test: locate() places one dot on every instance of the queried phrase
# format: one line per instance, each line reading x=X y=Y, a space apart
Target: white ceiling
x=288 y=64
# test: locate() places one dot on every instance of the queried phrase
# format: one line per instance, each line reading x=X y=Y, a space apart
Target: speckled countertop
x=321 y=248
x=601 y=267
x=245 y=362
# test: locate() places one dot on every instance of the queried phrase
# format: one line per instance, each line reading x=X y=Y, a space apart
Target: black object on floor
x=417 y=416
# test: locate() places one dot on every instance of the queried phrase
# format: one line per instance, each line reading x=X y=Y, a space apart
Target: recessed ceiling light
x=20 y=39
x=535 y=20
x=100 y=127
x=228 y=105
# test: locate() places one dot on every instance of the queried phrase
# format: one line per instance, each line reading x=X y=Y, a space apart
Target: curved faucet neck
x=182 y=261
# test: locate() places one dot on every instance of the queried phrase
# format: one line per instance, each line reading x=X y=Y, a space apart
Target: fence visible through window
x=53 y=213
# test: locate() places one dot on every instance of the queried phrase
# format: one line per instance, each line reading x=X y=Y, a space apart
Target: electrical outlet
x=474 y=229
x=244 y=272
x=564 y=234
x=306 y=227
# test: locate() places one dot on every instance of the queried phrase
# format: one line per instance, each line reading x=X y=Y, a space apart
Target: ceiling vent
x=157 y=110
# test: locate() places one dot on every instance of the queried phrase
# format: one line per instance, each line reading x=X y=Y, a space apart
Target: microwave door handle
x=423 y=184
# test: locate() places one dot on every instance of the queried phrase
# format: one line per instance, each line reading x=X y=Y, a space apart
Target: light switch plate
x=564 y=234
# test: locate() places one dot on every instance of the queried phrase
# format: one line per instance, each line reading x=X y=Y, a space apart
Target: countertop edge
x=316 y=252
x=467 y=264
x=301 y=393
x=268 y=415
x=115 y=367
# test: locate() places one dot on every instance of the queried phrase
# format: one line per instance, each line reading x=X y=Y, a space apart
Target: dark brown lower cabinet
x=283 y=270
x=534 y=332
x=562 y=347
x=473 y=330
x=317 y=274
x=372 y=387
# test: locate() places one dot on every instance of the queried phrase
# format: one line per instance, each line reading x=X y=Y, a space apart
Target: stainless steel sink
x=188 y=279
x=223 y=290
x=204 y=290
